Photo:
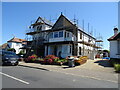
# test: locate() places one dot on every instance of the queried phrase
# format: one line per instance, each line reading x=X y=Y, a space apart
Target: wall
x=86 y=38
x=113 y=49
x=88 y=50
x=65 y=50
x=16 y=46
x=70 y=38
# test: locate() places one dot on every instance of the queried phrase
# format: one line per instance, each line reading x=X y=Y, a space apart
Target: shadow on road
x=35 y=67
x=104 y=63
x=67 y=67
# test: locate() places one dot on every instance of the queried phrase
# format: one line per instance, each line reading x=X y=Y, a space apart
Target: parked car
x=9 y=58
x=21 y=57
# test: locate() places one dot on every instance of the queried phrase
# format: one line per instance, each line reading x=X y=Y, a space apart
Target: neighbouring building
x=4 y=46
x=115 y=44
x=62 y=39
x=16 y=43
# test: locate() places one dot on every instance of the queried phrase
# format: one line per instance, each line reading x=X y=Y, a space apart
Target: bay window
x=55 y=34
x=51 y=35
x=61 y=34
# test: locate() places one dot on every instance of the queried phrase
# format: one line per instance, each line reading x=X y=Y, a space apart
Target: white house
x=62 y=39
x=115 y=44
x=16 y=43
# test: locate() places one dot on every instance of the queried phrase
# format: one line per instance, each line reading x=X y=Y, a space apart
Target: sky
x=101 y=16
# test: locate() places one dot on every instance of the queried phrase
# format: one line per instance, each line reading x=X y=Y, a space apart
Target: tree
x=11 y=49
x=21 y=52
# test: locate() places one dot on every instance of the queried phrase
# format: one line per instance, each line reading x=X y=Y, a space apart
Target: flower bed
x=61 y=62
x=49 y=59
x=31 y=58
x=81 y=60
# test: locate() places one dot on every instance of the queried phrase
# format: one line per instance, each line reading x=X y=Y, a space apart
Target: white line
x=14 y=78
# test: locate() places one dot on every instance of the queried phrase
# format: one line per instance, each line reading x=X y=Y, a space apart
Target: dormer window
x=39 y=28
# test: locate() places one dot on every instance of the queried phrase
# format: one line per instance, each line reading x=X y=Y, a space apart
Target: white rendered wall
x=70 y=38
x=113 y=49
x=16 y=46
x=65 y=50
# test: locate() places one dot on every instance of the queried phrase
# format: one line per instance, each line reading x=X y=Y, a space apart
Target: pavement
x=93 y=69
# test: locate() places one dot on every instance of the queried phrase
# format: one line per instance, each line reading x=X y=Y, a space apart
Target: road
x=24 y=77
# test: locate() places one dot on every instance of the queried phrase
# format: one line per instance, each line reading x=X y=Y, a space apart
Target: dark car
x=9 y=58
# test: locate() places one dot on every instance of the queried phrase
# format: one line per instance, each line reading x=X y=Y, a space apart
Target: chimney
x=115 y=31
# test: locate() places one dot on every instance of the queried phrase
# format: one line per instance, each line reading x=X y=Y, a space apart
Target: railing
x=61 y=39
x=30 y=30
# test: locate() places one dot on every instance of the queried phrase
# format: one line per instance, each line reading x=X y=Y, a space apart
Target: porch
x=59 y=50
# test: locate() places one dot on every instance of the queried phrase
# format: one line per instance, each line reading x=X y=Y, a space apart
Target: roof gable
x=62 y=22
x=14 y=39
x=39 y=20
x=114 y=37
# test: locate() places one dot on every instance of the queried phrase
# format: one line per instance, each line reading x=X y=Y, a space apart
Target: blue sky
x=17 y=16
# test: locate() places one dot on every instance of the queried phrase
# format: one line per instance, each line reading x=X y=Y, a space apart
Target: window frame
x=80 y=53
x=56 y=34
x=51 y=35
x=59 y=34
x=80 y=35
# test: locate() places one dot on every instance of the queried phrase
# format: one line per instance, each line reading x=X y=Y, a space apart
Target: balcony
x=61 y=39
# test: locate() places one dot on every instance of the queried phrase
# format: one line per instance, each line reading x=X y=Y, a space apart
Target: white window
x=55 y=34
x=51 y=35
x=68 y=34
x=80 y=35
x=39 y=28
x=61 y=34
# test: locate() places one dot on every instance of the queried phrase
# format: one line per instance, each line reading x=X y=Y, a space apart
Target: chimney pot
x=115 y=31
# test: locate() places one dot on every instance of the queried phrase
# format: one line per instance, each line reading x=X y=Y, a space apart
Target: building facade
x=16 y=43
x=62 y=39
x=115 y=44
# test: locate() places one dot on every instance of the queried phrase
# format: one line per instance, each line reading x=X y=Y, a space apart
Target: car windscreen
x=9 y=54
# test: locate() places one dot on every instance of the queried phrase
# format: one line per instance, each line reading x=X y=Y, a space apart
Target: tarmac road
x=24 y=77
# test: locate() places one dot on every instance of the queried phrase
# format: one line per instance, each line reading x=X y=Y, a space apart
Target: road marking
x=14 y=78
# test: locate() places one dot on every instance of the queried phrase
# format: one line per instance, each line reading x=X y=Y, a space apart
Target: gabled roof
x=62 y=21
x=115 y=37
x=4 y=46
x=41 y=20
x=14 y=39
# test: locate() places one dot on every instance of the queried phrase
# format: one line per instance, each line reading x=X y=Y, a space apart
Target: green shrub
x=11 y=49
x=114 y=61
x=21 y=52
x=117 y=67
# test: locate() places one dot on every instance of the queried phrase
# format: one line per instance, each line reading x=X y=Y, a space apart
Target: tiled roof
x=114 y=37
x=16 y=40
x=4 y=45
